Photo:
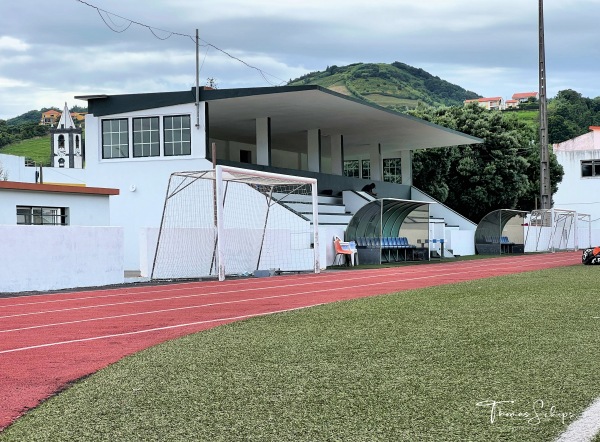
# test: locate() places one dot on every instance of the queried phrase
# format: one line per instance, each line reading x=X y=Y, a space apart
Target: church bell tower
x=67 y=143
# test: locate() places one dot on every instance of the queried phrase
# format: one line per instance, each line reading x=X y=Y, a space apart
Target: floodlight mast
x=545 y=188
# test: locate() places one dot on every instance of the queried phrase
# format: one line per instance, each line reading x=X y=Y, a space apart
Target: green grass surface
x=403 y=367
x=38 y=149
x=530 y=117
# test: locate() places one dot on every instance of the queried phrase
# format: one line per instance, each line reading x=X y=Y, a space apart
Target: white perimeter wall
x=14 y=167
x=39 y=258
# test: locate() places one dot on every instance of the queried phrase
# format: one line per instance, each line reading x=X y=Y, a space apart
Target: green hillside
x=37 y=149
x=396 y=86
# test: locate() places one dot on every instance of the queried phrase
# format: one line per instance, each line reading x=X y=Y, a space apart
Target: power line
x=107 y=17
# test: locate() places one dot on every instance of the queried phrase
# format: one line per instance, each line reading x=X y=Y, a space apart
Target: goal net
x=232 y=221
x=550 y=230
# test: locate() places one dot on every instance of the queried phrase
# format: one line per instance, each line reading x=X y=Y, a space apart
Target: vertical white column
x=315 y=209
x=375 y=157
x=406 y=166
x=220 y=228
x=337 y=162
x=314 y=150
x=263 y=141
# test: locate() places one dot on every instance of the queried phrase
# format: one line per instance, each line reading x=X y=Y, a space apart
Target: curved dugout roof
x=374 y=221
x=492 y=224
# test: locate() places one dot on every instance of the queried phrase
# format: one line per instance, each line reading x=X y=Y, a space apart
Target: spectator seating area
x=392 y=248
x=499 y=244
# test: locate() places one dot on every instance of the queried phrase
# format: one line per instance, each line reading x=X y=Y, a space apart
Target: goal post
x=233 y=221
x=550 y=230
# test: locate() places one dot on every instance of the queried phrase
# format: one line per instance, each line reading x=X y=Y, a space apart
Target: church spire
x=66 y=120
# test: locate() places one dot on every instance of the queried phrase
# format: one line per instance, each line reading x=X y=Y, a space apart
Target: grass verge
x=411 y=366
x=38 y=149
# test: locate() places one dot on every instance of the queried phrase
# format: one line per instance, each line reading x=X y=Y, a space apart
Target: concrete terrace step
x=323 y=208
x=322 y=199
x=331 y=218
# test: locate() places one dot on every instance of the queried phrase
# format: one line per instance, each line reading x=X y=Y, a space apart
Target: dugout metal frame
x=492 y=237
x=388 y=218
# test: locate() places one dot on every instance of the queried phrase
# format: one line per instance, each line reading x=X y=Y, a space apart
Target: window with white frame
x=590 y=168
x=146 y=137
x=115 y=138
x=177 y=135
x=365 y=166
x=392 y=170
x=351 y=168
x=48 y=216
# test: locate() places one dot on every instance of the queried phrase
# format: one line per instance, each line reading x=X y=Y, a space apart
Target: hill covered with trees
x=397 y=86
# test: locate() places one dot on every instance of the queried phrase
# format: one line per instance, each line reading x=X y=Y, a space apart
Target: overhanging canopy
x=293 y=110
x=384 y=218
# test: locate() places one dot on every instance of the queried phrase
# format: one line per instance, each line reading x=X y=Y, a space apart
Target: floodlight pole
x=197 y=41
x=545 y=188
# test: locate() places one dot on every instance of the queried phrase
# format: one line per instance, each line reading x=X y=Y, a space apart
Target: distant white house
x=491 y=103
x=523 y=97
x=580 y=187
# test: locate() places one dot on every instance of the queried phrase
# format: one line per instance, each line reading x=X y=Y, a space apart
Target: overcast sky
x=52 y=51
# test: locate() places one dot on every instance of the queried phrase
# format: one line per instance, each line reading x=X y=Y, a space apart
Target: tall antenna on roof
x=545 y=188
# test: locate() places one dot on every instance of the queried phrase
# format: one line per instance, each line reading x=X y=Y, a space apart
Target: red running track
x=48 y=341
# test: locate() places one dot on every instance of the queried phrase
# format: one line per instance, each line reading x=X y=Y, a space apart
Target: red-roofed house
x=50 y=117
x=512 y=104
x=493 y=103
x=522 y=97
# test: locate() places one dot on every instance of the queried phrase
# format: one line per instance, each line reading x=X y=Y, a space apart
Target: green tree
x=476 y=179
x=571 y=115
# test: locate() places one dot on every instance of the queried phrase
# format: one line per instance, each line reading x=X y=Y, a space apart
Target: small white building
x=580 y=186
x=57 y=236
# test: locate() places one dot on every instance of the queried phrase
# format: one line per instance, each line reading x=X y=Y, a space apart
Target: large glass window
x=177 y=135
x=392 y=170
x=366 y=169
x=590 y=168
x=52 y=216
x=351 y=168
x=115 y=138
x=358 y=168
x=146 y=137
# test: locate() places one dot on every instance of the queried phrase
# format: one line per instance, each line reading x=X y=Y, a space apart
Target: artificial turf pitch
x=422 y=365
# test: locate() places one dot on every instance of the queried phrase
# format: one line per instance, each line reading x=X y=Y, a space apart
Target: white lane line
x=585 y=428
x=168 y=327
x=213 y=304
x=285 y=295
x=138 y=291
x=262 y=287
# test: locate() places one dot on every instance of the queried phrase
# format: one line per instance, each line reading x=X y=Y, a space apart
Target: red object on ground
x=48 y=341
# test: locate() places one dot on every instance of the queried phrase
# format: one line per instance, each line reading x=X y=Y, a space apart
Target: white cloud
x=8 y=83
x=8 y=43
x=487 y=46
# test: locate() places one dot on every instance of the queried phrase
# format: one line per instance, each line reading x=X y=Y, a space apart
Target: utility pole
x=545 y=188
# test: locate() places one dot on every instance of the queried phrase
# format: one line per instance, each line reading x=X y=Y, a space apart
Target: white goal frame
x=553 y=229
x=217 y=207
